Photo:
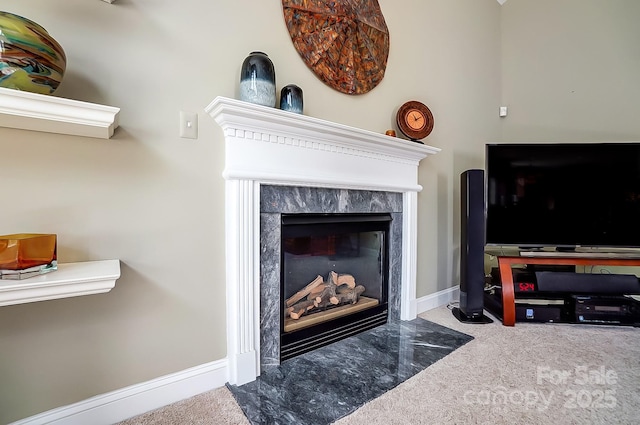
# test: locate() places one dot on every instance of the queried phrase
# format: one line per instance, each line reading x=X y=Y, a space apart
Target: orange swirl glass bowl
x=30 y=59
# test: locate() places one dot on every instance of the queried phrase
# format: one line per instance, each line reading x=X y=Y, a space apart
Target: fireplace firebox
x=334 y=278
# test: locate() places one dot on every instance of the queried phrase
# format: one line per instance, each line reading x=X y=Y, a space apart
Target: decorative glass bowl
x=24 y=255
x=30 y=59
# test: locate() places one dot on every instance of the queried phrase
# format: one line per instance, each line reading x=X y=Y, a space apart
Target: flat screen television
x=563 y=195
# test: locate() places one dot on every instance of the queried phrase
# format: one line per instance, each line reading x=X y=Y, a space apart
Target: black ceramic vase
x=258 y=80
x=291 y=99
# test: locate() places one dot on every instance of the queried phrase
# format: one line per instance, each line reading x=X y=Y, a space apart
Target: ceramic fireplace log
x=317 y=286
x=332 y=278
x=352 y=296
x=316 y=291
x=349 y=296
x=339 y=289
x=300 y=308
x=323 y=303
x=304 y=291
x=346 y=279
x=328 y=294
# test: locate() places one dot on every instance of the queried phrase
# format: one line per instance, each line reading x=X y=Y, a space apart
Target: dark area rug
x=326 y=384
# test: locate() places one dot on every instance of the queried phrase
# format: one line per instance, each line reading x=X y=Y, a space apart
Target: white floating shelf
x=70 y=280
x=39 y=112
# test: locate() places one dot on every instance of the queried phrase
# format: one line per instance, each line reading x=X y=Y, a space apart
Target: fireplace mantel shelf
x=232 y=114
x=235 y=115
x=261 y=139
x=70 y=280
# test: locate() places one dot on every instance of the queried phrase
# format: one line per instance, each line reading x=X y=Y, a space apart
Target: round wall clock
x=344 y=42
x=414 y=120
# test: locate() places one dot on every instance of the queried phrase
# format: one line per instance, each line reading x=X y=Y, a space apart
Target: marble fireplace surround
x=269 y=147
x=278 y=200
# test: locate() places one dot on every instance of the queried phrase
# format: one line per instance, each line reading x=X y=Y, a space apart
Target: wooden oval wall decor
x=344 y=42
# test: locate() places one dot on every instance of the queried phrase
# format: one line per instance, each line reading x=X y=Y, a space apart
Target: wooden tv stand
x=505 y=263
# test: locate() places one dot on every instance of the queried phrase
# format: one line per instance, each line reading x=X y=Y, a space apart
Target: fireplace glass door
x=335 y=272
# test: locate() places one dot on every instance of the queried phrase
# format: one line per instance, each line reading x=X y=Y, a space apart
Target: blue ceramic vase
x=291 y=99
x=258 y=80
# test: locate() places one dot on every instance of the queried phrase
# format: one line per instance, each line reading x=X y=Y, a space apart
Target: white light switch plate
x=188 y=125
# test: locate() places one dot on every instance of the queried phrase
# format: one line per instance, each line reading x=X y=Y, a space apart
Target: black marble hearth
x=326 y=384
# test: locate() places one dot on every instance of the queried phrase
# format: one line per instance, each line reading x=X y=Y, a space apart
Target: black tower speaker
x=472 y=248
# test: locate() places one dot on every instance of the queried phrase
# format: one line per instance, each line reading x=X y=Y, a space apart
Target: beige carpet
x=527 y=374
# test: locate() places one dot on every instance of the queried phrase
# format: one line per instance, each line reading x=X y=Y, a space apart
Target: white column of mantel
x=408 y=308
x=243 y=280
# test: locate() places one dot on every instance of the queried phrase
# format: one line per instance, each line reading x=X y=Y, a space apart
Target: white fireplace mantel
x=276 y=146
x=269 y=146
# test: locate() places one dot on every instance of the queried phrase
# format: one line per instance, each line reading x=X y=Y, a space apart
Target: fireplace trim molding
x=269 y=146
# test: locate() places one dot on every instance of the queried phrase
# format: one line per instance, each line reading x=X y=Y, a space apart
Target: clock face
x=414 y=120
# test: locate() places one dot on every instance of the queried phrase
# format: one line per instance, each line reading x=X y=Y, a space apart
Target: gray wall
x=570 y=74
x=570 y=70
x=155 y=201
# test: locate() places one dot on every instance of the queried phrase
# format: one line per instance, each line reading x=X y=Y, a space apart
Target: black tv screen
x=563 y=195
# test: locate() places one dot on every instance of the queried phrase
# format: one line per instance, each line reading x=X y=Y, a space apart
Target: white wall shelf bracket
x=38 y=112
x=70 y=280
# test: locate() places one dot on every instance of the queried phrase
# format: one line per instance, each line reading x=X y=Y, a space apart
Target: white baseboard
x=137 y=399
x=438 y=299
